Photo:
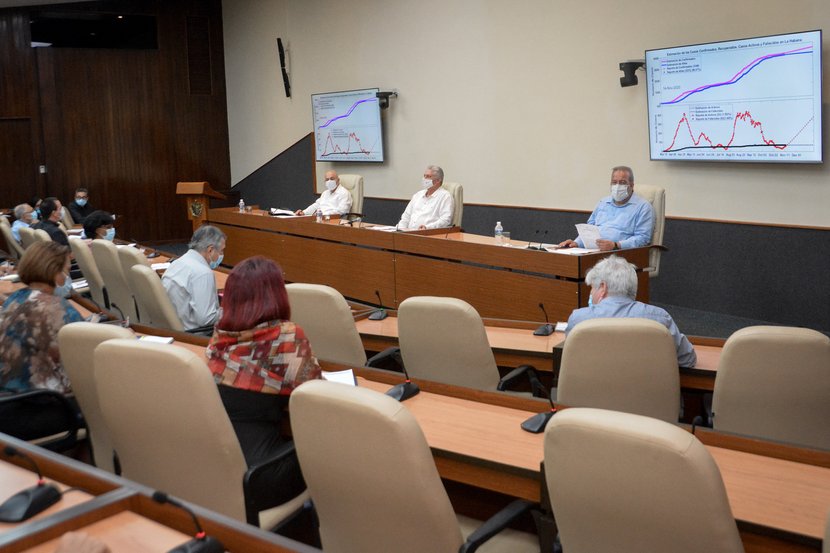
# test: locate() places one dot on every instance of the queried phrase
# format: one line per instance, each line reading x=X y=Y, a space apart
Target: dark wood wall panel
x=124 y=123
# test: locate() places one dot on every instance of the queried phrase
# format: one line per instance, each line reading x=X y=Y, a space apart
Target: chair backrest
x=153 y=302
x=656 y=196
x=616 y=480
x=774 y=382
x=29 y=236
x=13 y=245
x=168 y=424
x=443 y=339
x=322 y=312
x=457 y=192
x=67 y=220
x=83 y=256
x=41 y=235
x=622 y=364
x=370 y=472
x=354 y=184
x=106 y=258
x=77 y=342
x=130 y=256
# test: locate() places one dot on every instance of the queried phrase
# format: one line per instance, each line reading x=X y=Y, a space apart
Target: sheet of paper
x=589 y=234
x=575 y=251
x=561 y=327
x=156 y=339
x=14 y=277
x=282 y=212
x=80 y=283
x=382 y=228
x=160 y=266
x=343 y=377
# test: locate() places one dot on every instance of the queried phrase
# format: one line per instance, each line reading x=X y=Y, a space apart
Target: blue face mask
x=110 y=235
x=81 y=202
x=590 y=300
x=65 y=290
x=35 y=215
x=215 y=264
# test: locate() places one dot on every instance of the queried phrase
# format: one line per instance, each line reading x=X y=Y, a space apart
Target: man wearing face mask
x=625 y=220
x=25 y=216
x=51 y=212
x=80 y=208
x=613 y=283
x=189 y=281
x=335 y=200
x=431 y=207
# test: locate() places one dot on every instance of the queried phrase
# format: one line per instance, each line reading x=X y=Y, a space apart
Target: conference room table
x=514 y=344
x=504 y=280
x=115 y=510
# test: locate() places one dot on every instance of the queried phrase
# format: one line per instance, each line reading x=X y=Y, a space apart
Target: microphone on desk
x=202 y=543
x=536 y=424
x=31 y=501
x=352 y=218
x=547 y=328
x=536 y=234
x=404 y=390
x=380 y=314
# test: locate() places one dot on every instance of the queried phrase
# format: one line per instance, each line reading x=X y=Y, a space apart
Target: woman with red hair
x=258 y=357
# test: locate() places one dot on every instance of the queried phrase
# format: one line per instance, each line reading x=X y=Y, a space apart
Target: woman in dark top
x=257 y=357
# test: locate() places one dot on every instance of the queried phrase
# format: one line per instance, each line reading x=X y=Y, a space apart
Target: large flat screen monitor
x=347 y=126
x=753 y=99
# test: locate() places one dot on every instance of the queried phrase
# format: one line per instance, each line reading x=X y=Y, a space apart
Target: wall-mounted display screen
x=347 y=126
x=753 y=99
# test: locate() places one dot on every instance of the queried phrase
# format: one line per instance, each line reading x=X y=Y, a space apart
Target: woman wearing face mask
x=31 y=318
x=335 y=200
x=98 y=225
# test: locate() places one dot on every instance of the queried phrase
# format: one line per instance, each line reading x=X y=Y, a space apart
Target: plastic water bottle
x=241 y=205
x=319 y=215
x=498 y=232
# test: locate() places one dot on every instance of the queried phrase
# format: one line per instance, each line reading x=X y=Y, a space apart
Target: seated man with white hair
x=190 y=282
x=24 y=215
x=613 y=283
x=431 y=207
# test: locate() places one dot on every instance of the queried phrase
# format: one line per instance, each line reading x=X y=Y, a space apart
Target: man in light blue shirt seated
x=24 y=215
x=613 y=283
x=625 y=220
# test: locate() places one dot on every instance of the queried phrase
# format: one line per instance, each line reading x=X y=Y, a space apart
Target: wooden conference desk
x=514 y=344
x=115 y=510
x=504 y=282
x=780 y=504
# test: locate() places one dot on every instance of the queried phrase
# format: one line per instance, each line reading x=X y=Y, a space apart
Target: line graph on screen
x=747 y=100
x=347 y=126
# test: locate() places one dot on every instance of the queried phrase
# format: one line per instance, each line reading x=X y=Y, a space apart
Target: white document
x=589 y=234
x=382 y=228
x=283 y=213
x=575 y=251
x=160 y=266
x=343 y=377
x=561 y=327
x=156 y=339
x=14 y=277
x=80 y=283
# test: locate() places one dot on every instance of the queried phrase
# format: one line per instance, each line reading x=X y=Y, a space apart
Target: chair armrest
x=206 y=330
x=495 y=524
x=389 y=356
x=508 y=380
x=256 y=495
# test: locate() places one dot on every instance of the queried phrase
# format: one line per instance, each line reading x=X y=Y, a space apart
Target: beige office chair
x=372 y=477
x=457 y=192
x=77 y=342
x=29 y=236
x=67 y=220
x=656 y=196
x=443 y=340
x=153 y=302
x=354 y=184
x=616 y=480
x=623 y=364
x=120 y=295
x=171 y=431
x=12 y=245
x=774 y=382
x=322 y=312
x=129 y=256
x=83 y=256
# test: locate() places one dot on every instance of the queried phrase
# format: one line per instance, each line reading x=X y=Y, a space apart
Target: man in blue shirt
x=624 y=219
x=613 y=283
x=24 y=215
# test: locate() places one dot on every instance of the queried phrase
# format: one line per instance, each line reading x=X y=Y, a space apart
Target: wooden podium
x=197 y=195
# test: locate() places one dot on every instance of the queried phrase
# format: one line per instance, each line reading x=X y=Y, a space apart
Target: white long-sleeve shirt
x=434 y=211
x=337 y=202
x=192 y=289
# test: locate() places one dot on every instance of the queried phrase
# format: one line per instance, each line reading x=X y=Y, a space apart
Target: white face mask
x=426 y=183
x=619 y=192
x=331 y=185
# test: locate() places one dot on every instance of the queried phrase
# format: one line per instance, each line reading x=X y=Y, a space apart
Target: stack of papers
x=79 y=284
x=383 y=228
x=343 y=377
